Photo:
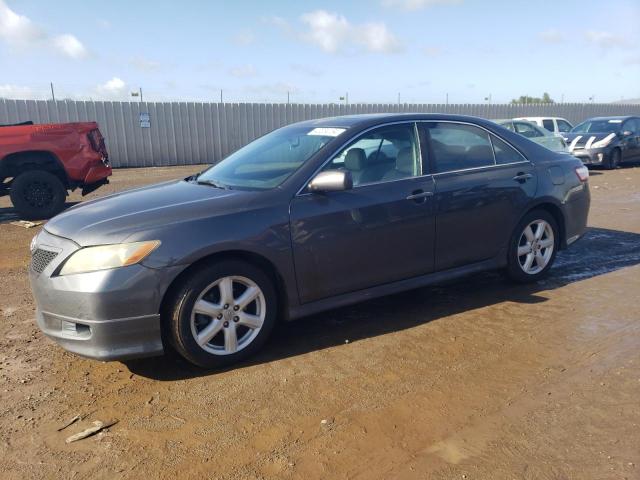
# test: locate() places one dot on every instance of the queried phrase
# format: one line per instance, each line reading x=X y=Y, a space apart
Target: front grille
x=41 y=258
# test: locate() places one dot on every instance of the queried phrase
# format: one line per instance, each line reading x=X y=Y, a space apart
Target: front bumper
x=106 y=315
x=592 y=156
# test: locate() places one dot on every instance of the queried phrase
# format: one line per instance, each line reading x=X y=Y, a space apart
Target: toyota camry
x=309 y=217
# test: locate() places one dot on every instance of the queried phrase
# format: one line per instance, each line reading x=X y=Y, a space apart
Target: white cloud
x=606 y=39
x=17 y=92
x=17 y=30
x=333 y=33
x=417 y=4
x=243 y=71
x=20 y=32
x=145 y=65
x=551 y=36
x=244 y=37
x=114 y=89
x=70 y=46
x=306 y=69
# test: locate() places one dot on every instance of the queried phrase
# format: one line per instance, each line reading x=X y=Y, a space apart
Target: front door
x=482 y=186
x=380 y=231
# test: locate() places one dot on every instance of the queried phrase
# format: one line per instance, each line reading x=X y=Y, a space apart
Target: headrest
x=355 y=159
x=405 y=160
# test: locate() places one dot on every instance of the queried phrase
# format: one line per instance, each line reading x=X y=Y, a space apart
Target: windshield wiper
x=213 y=183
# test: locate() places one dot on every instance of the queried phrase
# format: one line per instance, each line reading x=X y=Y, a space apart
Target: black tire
x=515 y=270
x=613 y=160
x=177 y=315
x=37 y=194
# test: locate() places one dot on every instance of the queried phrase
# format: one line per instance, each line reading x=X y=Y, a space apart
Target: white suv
x=555 y=125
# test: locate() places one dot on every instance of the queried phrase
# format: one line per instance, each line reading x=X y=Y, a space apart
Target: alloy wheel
x=228 y=315
x=535 y=247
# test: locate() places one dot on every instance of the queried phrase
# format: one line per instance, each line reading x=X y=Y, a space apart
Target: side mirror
x=627 y=133
x=331 y=181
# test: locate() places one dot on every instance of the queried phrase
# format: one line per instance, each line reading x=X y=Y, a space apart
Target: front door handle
x=522 y=177
x=419 y=196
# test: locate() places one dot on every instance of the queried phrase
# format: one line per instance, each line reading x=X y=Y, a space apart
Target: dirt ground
x=479 y=379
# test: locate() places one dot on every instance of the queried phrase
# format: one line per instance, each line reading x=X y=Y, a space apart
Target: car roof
x=614 y=117
x=541 y=118
x=366 y=119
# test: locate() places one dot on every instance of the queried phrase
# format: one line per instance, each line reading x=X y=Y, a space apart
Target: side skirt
x=345 y=299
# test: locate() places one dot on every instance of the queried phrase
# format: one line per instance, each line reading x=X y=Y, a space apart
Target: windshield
x=598 y=126
x=268 y=161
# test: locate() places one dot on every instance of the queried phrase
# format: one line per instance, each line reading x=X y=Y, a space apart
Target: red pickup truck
x=40 y=163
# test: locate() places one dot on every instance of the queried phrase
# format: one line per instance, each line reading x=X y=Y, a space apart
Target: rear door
x=482 y=187
x=380 y=231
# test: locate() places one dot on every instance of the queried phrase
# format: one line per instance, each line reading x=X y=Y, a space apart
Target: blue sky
x=260 y=50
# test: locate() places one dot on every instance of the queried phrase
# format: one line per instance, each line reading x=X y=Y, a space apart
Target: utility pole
x=53 y=95
x=562 y=98
x=347 y=98
x=447 y=99
x=140 y=89
x=287 y=98
x=398 y=98
x=220 y=95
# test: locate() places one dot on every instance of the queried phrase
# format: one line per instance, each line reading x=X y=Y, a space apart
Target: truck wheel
x=37 y=194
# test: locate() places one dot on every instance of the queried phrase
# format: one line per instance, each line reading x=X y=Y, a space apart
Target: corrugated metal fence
x=179 y=133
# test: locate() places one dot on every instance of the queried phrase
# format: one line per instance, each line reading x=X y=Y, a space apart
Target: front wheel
x=533 y=247
x=614 y=159
x=222 y=313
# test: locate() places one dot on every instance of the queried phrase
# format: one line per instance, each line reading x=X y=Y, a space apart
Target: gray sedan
x=312 y=216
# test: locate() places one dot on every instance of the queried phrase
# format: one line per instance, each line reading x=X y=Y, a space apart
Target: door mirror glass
x=627 y=133
x=331 y=181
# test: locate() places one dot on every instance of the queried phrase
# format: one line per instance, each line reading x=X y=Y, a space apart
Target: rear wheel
x=533 y=247
x=614 y=159
x=222 y=313
x=37 y=194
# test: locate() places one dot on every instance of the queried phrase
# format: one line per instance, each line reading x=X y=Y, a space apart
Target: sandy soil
x=479 y=379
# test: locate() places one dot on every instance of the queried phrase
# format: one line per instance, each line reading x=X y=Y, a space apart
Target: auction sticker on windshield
x=326 y=131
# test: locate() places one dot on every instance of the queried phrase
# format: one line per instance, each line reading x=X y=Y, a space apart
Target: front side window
x=268 y=161
x=548 y=124
x=458 y=146
x=384 y=154
x=632 y=125
x=527 y=130
x=563 y=126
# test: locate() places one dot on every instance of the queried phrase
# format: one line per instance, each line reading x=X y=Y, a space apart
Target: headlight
x=102 y=257
x=604 y=142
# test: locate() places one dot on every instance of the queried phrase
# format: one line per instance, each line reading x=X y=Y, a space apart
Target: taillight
x=582 y=173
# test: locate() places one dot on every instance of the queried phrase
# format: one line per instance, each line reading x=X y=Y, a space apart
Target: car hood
x=114 y=218
x=584 y=138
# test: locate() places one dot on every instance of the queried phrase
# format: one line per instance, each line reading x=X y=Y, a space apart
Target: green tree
x=527 y=99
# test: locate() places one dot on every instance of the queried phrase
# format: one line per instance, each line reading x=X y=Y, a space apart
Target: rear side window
x=505 y=153
x=563 y=126
x=458 y=146
x=548 y=124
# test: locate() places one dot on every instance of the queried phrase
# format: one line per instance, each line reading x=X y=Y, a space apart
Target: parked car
x=312 y=216
x=555 y=125
x=39 y=163
x=535 y=133
x=606 y=141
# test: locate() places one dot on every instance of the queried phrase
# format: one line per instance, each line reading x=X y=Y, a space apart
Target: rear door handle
x=522 y=177
x=419 y=195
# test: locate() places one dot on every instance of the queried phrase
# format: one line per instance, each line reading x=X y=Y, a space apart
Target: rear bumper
x=576 y=213
x=97 y=173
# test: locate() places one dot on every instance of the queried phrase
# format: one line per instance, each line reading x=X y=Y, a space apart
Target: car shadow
x=599 y=252
x=10 y=214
